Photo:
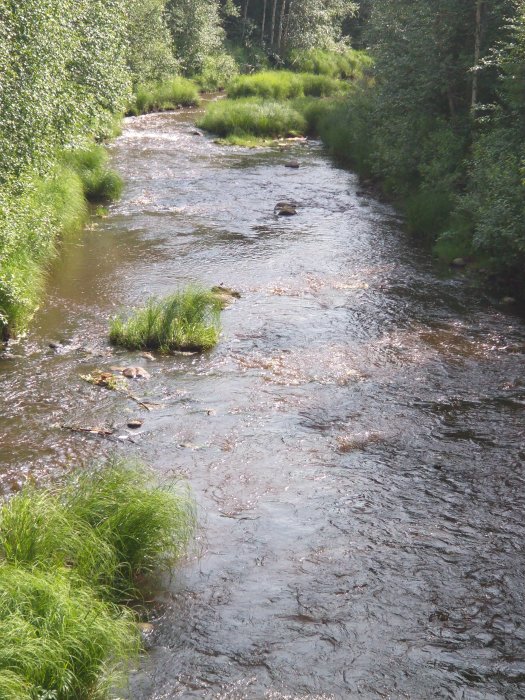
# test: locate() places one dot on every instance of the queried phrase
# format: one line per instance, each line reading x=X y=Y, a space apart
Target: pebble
x=135 y=424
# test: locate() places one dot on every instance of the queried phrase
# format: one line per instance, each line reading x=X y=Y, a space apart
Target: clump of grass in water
x=186 y=320
x=66 y=556
x=169 y=94
x=147 y=529
x=252 y=116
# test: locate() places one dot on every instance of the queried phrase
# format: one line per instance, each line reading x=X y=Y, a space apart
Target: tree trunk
x=288 y=19
x=274 y=12
x=245 y=18
x=477 y=53
x=263 y=27
x=281 y=24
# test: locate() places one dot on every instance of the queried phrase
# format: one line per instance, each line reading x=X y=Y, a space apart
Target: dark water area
x=355 y=443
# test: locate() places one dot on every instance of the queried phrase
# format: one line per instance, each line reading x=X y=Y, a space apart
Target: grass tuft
x=186 y=320
x=146 y=528
x=349 y=64
x=252 y=116
x=169 y=94
x=284 y=85
x=101 y=184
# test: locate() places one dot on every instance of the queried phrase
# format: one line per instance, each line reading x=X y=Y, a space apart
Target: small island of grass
x=187 y=320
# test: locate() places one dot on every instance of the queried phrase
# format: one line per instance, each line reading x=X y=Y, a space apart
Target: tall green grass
x=67 y=556
x=100 y=182
x=284 y=85
x=146 y=528
x=348 y=63
x=168 y=94
x=186 y=320
x=58 y=639
x=253 y=116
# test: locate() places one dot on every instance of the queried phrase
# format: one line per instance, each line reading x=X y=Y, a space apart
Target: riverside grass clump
x=164 y=95
x=59 y=640
x=346 y=64
x=69 y=558
x=285 y=85
x=100 y=182
x=252 y=117
x=186 y=320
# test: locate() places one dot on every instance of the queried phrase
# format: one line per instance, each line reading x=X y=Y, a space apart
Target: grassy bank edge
x=71 y=557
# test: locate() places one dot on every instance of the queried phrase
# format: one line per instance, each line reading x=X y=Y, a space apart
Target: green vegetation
x=58 y=639
x=345 y=64
x=282 y=85
x=99 y=182
x=186 y=320
x=67 y=556
x=253 y=117
x=169 y=94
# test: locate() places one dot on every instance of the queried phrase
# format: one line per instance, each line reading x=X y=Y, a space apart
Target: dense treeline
x=440 y=123
x=442 y=129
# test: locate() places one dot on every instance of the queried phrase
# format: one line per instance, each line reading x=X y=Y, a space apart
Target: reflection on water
x=355 y=443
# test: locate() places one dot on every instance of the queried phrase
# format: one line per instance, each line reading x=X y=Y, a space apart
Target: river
x=355 y=443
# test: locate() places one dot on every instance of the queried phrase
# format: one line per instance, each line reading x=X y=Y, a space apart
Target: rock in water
x=135 y=373
x=292 y=164
x=459 y=262
x=222 y=291
x=135 y=424
x=285 y=209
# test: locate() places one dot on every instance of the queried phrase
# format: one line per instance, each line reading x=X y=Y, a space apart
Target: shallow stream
x=355 y=443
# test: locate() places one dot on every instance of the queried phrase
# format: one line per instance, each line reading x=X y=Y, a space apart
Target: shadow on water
x=355 y=443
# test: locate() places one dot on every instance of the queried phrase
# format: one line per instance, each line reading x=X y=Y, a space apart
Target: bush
x=428 y=212
x=217 y=72
x=252 y=116
x=186 y=320
x=166 y=95
x=58 y=640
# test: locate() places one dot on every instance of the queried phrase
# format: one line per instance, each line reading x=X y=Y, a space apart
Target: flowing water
x=355 y=443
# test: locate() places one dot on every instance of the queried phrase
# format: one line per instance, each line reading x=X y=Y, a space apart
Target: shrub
x=58 y=640
x=428 y=212
x=186 y=320
x=254 y=117
x=217 y=71
x=166 y=95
